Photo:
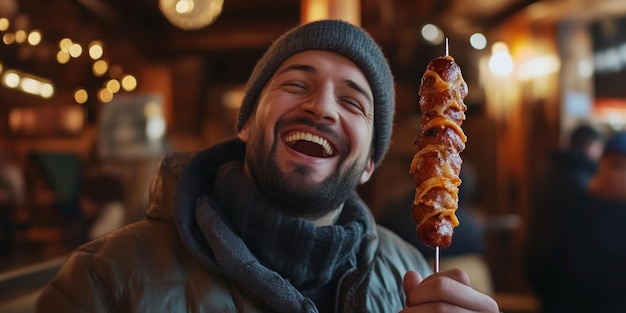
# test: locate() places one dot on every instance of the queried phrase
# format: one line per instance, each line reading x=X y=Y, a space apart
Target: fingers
x=411 y=280
x=445 y=289
x=455 y=274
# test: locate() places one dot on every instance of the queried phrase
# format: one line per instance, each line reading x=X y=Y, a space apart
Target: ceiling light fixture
x=191 y=14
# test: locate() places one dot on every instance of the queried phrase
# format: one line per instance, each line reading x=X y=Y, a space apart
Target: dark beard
x=291 y=192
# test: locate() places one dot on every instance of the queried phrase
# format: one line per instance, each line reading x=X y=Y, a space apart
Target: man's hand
x=447 y=291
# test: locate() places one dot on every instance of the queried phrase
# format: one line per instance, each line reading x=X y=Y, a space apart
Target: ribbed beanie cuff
x=345 y=39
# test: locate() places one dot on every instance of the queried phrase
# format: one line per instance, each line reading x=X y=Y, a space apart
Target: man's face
x=309 y=141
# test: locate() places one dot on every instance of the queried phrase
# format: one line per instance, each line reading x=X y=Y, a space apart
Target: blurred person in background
x=560 y=190
x=579 y=162
x=597 y=245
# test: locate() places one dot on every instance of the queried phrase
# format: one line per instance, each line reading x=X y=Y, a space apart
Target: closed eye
x=294 y=86
x=353 y=104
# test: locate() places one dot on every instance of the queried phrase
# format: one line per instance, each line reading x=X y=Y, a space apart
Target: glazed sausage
x=437 y=162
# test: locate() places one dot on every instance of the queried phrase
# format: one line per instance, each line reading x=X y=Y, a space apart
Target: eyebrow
x=311 y=69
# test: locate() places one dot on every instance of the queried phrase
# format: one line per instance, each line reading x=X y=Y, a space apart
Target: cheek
x=362 y=133
x=261 y=117
x=270 y=108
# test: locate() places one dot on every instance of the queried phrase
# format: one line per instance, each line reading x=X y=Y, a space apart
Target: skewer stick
x=437 y=247
x=436 y=259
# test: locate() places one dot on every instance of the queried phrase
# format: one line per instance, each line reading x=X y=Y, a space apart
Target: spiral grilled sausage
x=437 y=162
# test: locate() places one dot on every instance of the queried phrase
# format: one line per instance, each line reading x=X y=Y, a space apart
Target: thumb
x=411 y=280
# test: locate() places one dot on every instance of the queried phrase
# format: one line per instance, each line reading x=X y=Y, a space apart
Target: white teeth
x=295 y=136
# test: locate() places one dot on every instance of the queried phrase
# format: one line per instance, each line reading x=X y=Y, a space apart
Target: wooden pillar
x=347 y=10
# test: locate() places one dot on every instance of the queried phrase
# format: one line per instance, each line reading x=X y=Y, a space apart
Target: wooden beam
x=233 y=37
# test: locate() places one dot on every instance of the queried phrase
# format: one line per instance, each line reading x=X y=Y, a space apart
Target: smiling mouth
x=309 y=144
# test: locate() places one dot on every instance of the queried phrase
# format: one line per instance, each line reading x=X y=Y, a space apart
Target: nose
x=323 y=104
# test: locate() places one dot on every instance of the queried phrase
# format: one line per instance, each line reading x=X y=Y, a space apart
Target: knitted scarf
x=285 y=262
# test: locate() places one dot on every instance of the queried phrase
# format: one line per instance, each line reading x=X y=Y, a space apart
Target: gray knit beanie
x=345 y=39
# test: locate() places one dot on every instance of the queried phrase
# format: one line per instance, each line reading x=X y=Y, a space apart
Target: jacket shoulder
x=142 y=267
x=163 y=185
x=394 y=257
x=400 y=254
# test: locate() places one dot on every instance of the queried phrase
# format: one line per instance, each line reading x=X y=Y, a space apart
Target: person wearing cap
x=595 y=252
x=565 y=179
x=271 y=221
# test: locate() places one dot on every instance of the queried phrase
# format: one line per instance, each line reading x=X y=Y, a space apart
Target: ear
x=369 y=169
x=244 y=133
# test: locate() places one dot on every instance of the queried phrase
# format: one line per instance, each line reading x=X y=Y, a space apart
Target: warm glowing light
x=152 y=109
x=76 y=50
x=478 y=41
x=500 y=62
x=184 y=6
x=539 y=67
x=155 y=123
x=11 y=79
x=74 y=119
x=4 y=23
x=95 y=50
x=432 y=34
x=34 y=38
x=20 y=36
x=63 y=56
x=105 y=95
x=113 y=85
x=191 y=14
x=232 y=99
x=65 y=44
x=46 y=90
x=81 y=96
x=16 y=118
x=36 y=87
x=100 y=67
x=28 y=83
x=316 y=10
x=8 y=38
x=1 y=68
x=129 y=83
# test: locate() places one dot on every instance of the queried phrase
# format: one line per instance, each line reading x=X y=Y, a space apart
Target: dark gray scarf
x=281 y=260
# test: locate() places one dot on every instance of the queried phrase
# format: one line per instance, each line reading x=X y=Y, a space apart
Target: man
x=594 y=253
x=561 y=188
x=271 y=222
x=598 y=249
